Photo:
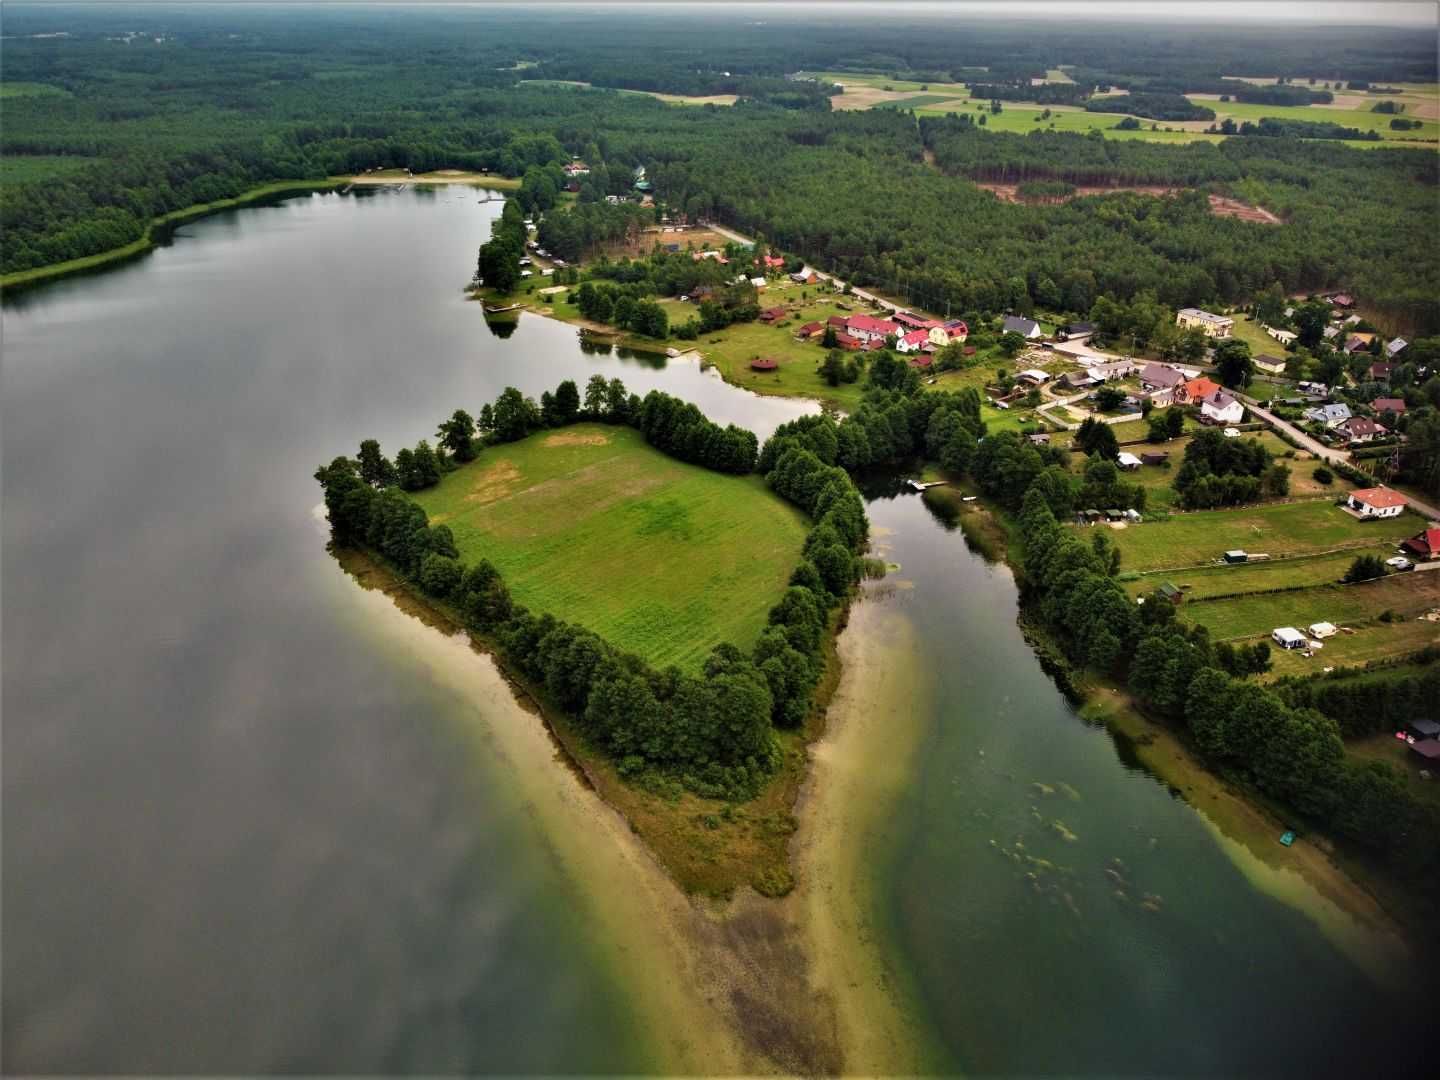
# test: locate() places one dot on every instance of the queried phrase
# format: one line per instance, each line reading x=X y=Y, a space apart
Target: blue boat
x=1287 y=837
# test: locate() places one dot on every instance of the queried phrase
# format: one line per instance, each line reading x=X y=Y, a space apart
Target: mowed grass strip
x=592 y=525
x=1276 y=529
x=1260 y=577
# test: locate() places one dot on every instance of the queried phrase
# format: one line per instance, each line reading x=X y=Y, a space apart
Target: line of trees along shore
x=712 y=734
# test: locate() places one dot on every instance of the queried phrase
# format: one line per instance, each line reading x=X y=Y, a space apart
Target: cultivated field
x=590 y=524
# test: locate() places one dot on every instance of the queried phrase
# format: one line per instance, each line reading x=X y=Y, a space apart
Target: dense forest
x=228 y=99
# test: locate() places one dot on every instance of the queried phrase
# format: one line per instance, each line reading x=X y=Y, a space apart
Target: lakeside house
x=1361 y=429
x=1212 y=325
x=1029 y=329
x=1221 y=407
x=1376 y=503
x=1271 y=365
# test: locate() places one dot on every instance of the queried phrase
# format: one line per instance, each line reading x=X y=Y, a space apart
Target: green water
x=244 y=832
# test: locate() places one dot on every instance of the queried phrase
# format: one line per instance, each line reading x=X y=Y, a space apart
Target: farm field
x=1226 y=580
x=1361 y=118
x=1201 y=537
x=589 y=523
x=1407 y=594
x=1375 y=641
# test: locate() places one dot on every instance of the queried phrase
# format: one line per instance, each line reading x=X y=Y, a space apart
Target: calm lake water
x=242 y=835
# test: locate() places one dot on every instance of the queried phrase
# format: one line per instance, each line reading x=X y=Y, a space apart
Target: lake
x=249 y=827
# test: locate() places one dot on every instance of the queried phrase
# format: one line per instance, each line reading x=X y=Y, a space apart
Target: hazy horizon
x=1328 y=12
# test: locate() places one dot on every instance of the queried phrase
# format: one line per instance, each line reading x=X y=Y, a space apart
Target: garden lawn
x=592 y=525
x=1275 y=529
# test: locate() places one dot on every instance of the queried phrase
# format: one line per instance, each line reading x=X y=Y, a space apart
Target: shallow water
x=252 y=823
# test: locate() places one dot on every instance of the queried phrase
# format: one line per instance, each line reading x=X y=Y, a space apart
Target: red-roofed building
x=1343 y=300
x=837 y=321
x=1389 y=404
x=1361 y=429
x=1195 y=390
x=810 y=330
x=923 y=360
x=772 y=314
x=1424 y=545
x=1376 y=503
x=869 y=328
x=770 y=262
x=1380 y=371
x=914 y=341
x=847 y=341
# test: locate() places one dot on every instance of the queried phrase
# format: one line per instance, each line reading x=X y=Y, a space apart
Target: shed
x=1170 y=592
x=1236 y=556
x=1033 y=376
x=1155 y=457
x=1287 y=637
x=1114 y=515
x=1127 y=460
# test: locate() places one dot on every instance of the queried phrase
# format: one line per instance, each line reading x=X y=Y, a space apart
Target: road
x=1325 y=453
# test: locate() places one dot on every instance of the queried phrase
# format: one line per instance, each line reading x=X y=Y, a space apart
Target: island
x=670 y=614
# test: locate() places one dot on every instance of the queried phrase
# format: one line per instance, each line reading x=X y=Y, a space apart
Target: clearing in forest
x=592 y=525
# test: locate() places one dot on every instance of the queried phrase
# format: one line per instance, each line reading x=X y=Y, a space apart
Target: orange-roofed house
x=1376 y=503
x=1195 y=390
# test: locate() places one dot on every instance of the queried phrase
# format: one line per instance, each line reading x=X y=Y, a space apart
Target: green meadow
x=592 y=525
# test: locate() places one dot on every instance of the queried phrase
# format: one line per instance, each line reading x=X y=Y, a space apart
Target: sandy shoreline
x=749 y=987
x=440 y=176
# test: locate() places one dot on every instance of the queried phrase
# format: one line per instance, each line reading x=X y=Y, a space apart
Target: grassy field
x=1361 y=118
x=1277 y=529
x=25 y=168
x=1226 y=580
x=1406 y=594
x=659 y=557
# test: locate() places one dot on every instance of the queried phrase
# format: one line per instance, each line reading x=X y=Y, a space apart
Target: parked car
x=1399 y=562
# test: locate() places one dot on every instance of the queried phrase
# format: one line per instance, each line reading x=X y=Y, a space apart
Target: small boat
x=1287 y=837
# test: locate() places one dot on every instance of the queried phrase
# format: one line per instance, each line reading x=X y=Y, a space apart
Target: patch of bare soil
x=494 y=483
x=573 y=438
x=1223 y=207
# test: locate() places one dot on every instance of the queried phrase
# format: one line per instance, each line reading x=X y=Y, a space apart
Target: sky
x=1351 y=12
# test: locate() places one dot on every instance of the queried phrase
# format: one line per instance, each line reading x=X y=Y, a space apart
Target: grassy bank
x=591 y=524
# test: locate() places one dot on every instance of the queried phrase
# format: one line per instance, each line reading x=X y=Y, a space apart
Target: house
x=1395 y=348
x=1271 y=365
x=1380 y=371
x=1078 y=380
x=576 y=168
x=1287 y=637
x=1376 y=503
x=1110 y=369
x=1075 y=330
x=1342 y=300
x=1361 y=429
x=837 y=321
x=1424 y=545
x=810 y=330
x=1218 y=326
x=1329 y=415
x=869 y=328
x=1221 y=407
x=910 y=321
x=1029 y=329
x=1331 y=331
x=922 y=360
x=770 y=315
x=1395 y=405
x=914 y=341
x=804 y=276
x=1039 y=438
x=1032 y=376
x=1154 y=457
x=1356 y=342
x=844 y=340
x=1168 y=590
x=770 y=262
x=1160 y=377
x=1195 y=390
x=956 y=329
x=1127 y=461
x=1284 y=337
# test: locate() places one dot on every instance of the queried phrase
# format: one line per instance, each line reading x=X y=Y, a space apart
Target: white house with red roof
x=1376 y=502
x=914 y=341
x=869 y=328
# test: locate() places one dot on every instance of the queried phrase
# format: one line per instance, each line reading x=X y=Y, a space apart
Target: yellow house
x=1211 y=325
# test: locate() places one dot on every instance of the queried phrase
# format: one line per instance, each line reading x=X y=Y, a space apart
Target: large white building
x=1213 y=325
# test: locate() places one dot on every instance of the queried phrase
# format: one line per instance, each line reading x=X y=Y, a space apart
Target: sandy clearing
x=568 y=438
x=494 y=482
